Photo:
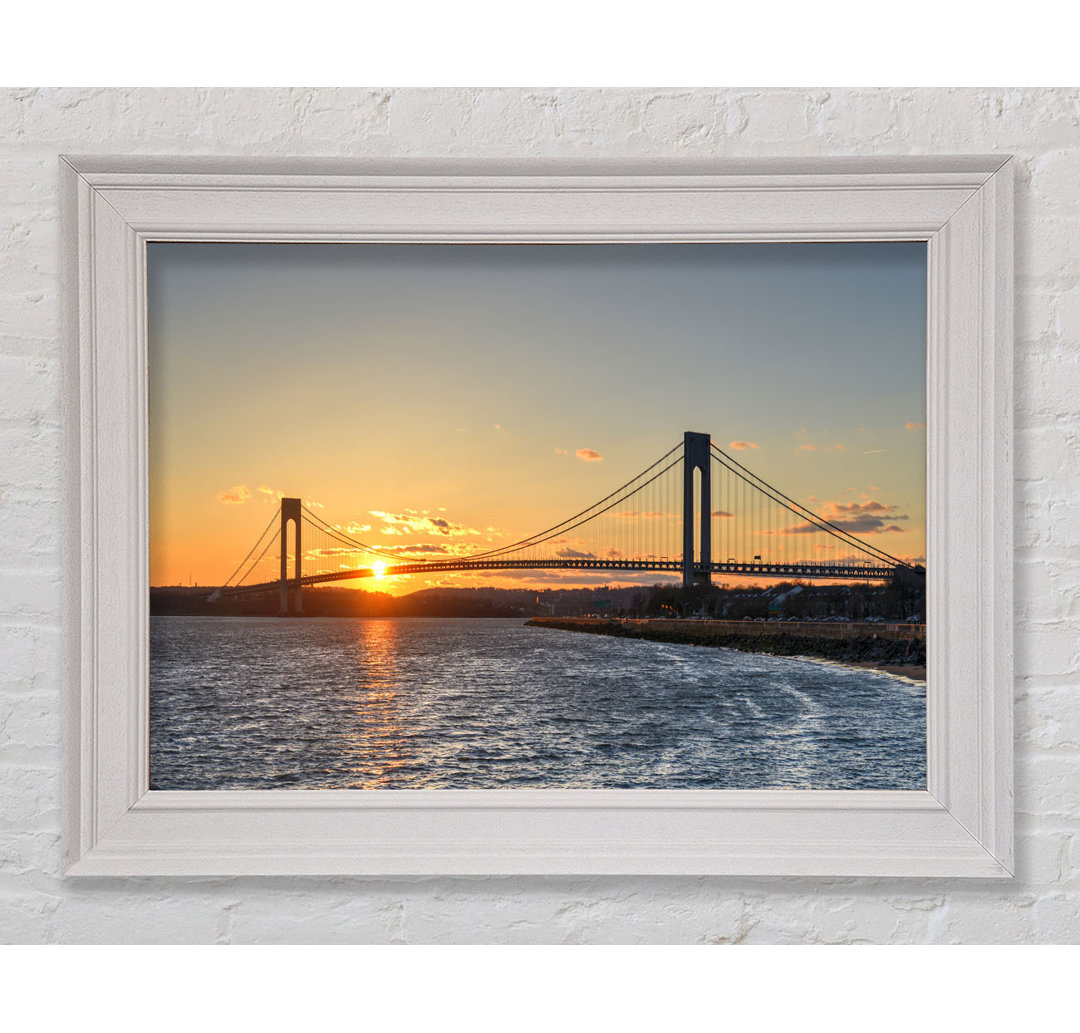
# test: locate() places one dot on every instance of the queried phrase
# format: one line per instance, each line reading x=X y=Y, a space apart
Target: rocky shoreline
x=899 y=656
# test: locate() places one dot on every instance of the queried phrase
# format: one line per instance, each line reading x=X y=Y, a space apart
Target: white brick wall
x=1041 y=127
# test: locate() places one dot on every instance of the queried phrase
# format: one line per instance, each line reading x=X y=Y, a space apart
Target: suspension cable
x=801 y=510
x=254 y=547
x=535 y=539
x=803 y=513
x=559 y=529
x=562 y=524
x=344 y=538
x=256 y=561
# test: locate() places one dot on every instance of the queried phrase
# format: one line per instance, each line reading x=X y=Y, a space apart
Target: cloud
x=873 y=451
x=911 y=425
x=573 y=554
x=868 y=506
x=498 y=427
x=868 y=517
x=404 y=553
x=415 y=522
x=741 y=446
x=722 y=513
x=586 y=455
x=805 y=448
x=449 y=550
x=235 y=495
x=269 y=491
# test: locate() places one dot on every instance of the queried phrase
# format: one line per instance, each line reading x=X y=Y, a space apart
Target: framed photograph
x=463 y=518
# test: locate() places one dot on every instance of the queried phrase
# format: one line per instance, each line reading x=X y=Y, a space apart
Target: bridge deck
x=810 y=571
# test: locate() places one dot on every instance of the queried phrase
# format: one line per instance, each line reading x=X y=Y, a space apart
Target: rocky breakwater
x=899 y=648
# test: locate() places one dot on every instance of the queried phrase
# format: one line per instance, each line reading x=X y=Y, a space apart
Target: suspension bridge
x=695 y=512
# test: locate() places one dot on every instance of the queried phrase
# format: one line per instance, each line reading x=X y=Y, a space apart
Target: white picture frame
x=962 y=825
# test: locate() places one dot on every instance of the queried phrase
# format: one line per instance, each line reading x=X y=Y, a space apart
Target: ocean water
x=339 y=703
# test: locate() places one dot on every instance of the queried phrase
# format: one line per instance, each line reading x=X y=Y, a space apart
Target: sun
x=379 y=569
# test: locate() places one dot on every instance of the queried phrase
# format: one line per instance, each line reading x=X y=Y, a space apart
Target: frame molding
x=962 y=825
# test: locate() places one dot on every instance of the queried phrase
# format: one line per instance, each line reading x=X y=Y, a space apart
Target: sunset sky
x=501 y=388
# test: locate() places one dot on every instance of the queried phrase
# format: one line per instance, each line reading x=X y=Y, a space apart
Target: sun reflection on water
x=375 y=746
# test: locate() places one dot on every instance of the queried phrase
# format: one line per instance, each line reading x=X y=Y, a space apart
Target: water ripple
x=329 y=703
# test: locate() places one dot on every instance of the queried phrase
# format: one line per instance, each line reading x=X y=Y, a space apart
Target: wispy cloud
x=498 y=427
x=428 y=549
x=274 y=495
x=873 y=451
x=911 y=425
x=722 y=513
x=805 y=448
x=565 y=578
x=404 y=552
x=741 y=446
x=235 y=496
x=563 y=452
x=460 y=550
x=341 y=550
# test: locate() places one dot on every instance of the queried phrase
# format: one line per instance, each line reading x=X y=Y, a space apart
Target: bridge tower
x=696 y=456
x=291 y=511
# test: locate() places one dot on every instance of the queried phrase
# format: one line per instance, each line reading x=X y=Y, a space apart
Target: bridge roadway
x=815 y=571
